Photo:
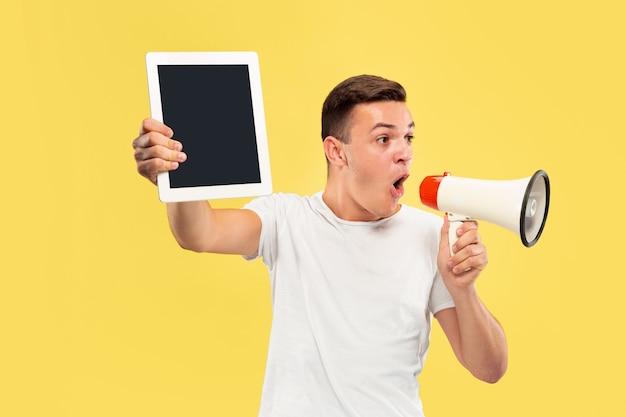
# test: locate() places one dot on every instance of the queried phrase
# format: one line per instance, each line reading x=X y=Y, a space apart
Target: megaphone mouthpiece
x=429 y=189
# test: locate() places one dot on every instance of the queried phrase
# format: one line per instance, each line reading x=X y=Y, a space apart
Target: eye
x=409 y=138
x=382 y=139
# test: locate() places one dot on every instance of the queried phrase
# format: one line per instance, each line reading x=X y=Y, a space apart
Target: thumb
x=444 y=246
x=444 y=243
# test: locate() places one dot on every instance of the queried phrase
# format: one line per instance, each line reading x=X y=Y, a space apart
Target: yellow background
x=101 y=314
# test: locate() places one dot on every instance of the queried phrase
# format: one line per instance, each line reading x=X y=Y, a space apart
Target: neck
x=339 y=200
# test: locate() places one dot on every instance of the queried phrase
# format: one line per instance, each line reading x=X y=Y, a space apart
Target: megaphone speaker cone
x=535 y=208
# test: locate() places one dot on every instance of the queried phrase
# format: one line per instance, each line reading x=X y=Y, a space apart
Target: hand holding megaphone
x=518 y=205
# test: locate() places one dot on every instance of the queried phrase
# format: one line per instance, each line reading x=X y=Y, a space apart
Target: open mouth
x=400 y=181
x=398 y=185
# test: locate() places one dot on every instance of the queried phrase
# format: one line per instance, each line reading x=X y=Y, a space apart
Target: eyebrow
x=390 y=126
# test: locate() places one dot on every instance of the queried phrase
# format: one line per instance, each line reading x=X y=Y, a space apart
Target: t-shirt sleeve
x=266 y=208
x=440 y=297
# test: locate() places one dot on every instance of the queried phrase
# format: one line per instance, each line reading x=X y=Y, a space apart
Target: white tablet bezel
x=213 y=192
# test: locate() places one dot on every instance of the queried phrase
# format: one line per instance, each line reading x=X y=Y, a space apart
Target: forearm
x=483 y=345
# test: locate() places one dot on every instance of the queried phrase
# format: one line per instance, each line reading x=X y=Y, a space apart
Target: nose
x=404 y=153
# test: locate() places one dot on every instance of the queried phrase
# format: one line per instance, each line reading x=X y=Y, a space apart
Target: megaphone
x=520 y=205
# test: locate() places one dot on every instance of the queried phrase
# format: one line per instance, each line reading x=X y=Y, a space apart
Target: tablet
x=214 y=104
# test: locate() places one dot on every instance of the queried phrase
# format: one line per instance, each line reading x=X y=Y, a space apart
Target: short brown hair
x=347 y=94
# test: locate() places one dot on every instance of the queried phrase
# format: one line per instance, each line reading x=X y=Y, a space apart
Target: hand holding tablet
x=214 y=104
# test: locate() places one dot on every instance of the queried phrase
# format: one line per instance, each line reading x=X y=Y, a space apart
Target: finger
x=150 y=168
x=469 y=237
x=467 y=226
x=151 y=139
x=472 y=256
x=469 y=266
x=154 y=166
x=467 y=234
x=159 y=152
x=153 y=125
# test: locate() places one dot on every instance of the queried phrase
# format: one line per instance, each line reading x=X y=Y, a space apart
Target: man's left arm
x=476 y=337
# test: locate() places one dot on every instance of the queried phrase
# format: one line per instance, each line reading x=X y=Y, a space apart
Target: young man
x=355 y=275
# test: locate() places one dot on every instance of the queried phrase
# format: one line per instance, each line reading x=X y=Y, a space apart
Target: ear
x=333 y=148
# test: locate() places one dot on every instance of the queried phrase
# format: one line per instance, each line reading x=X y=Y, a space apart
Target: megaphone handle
x=456 y=220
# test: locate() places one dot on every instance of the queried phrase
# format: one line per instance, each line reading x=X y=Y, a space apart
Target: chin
x=389 y=211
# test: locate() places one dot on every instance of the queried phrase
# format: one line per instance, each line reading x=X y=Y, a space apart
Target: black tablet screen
x=209 y=107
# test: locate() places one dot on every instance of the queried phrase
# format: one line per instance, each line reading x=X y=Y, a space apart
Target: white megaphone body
x=520 y=206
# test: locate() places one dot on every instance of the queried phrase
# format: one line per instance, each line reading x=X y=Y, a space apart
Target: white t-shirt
x=352 y=305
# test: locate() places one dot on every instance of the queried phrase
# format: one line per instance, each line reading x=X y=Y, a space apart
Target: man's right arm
x=198 y=227
x=195 y=225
